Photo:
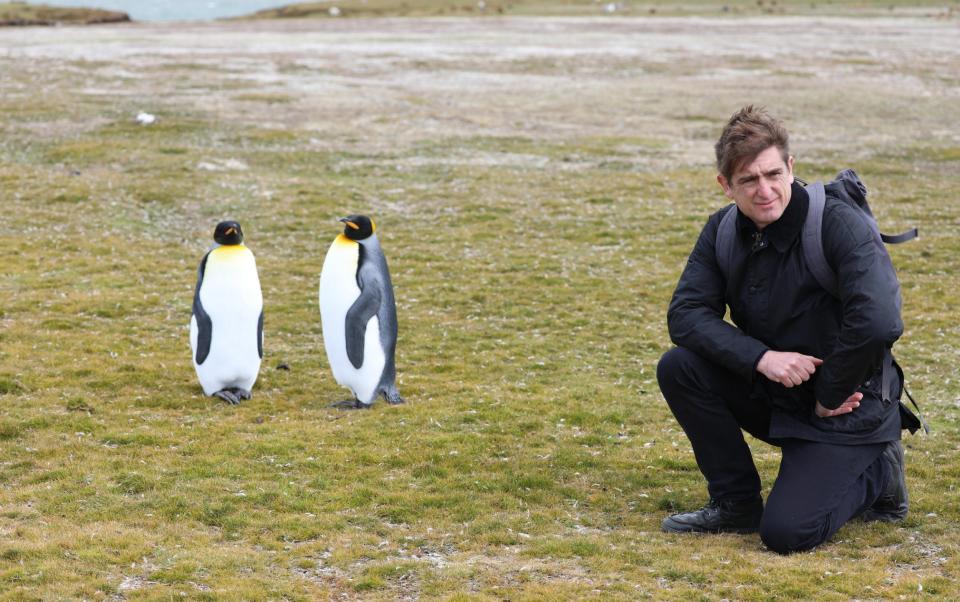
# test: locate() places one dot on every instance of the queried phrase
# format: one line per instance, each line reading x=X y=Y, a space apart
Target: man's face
x=761 y=188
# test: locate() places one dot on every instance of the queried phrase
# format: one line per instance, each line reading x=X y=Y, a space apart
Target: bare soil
x=661 y=84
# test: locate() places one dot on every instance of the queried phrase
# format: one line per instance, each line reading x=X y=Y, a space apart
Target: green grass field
x=537 y=186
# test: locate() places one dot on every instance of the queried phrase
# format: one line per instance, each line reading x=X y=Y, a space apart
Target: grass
x=533 y=247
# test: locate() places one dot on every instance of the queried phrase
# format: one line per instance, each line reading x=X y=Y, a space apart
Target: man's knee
x=785 y=536
x=673 y=365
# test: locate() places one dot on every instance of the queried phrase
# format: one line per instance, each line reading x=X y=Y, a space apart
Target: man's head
x=754 y=164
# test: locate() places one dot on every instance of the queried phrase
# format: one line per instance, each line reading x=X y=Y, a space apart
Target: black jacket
x=776 y=304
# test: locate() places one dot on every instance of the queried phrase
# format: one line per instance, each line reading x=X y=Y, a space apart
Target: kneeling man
x=807 y=370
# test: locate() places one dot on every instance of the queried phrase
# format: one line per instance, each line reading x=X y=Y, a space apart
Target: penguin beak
x=231 y=230
x=349 y=223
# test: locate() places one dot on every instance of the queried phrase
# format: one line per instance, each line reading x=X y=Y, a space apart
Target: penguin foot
x=350 y=404
x=228 y=396
x=241 y=393
x=393 y=398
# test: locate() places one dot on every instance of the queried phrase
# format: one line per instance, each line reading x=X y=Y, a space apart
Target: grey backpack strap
x=813 y=240
x=726 y=236
x=896 y=239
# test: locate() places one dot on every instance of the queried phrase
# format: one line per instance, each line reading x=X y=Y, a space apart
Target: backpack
x=847 y=188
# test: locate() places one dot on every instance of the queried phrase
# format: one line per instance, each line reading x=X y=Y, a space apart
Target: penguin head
x=358 y=227
x=228 y=233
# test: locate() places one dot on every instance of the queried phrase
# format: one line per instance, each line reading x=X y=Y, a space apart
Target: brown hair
x=749 y=132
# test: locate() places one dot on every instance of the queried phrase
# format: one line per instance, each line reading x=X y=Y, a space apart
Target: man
x=799 y=368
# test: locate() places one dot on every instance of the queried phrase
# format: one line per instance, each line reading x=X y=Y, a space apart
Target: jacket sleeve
x=870 y=298
x=695 y=317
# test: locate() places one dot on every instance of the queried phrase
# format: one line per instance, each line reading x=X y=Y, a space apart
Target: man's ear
x=790 y=168
x=725 y=186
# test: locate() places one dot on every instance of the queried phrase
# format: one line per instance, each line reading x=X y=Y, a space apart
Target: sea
x=175 y=10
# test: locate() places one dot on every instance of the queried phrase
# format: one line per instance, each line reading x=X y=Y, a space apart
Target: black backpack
x=848 y=188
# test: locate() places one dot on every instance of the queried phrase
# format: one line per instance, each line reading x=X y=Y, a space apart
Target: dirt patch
x=381 y=85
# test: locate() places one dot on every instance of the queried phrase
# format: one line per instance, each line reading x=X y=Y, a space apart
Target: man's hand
x=787 y=367
x=850 y=404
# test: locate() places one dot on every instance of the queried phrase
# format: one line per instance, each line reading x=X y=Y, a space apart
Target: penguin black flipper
x=260 y=335
x=204 y=323
x=355 y=329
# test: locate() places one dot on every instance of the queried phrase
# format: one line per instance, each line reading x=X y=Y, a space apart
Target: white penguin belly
x=338 y=292
x=231 y=296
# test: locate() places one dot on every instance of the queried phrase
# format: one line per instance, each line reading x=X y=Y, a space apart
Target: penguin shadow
x=356 y=404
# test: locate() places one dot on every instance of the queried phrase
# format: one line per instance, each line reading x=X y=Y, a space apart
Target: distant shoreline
x=19 y=14
x=23 y=14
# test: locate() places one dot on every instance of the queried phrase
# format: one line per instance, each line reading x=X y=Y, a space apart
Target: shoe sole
x=871 y=516
x=673 y=527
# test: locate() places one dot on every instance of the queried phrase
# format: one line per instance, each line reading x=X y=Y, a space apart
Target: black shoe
x=893 y=503
x=718 y=517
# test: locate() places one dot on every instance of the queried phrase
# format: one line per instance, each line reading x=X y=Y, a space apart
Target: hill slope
x=17 y=13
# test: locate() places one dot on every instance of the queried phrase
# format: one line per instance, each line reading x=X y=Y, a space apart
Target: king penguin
x=358 y=315
x=226 y=328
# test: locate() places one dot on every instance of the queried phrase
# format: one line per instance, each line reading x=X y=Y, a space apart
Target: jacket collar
x=785 y=230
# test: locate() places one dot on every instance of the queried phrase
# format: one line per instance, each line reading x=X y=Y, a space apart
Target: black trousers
x=820 y=486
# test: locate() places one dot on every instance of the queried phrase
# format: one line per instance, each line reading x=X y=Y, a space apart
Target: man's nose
x=764 y=188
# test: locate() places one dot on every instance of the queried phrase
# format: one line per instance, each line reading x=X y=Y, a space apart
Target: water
x=174 y=10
